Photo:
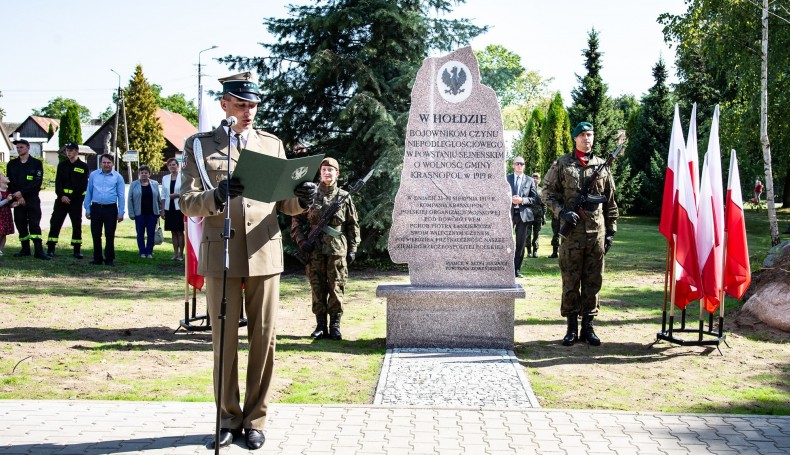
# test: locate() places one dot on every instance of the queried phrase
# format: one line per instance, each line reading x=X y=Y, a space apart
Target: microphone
x=230 y=121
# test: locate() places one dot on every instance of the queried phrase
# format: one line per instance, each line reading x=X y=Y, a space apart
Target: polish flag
x=737 y=271
x=687 y=276
x=195 y=225
x=710 y=227
x=670 y=189
x=692 y=155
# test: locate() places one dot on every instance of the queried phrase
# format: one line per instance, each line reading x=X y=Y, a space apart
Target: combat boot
x=320 y=327
x=51 y=249
x=334 y=327
x=39 y=250
x=588 y=334
x=572 y=335
x=77 y=254
x=25 y=251
x=554 y=251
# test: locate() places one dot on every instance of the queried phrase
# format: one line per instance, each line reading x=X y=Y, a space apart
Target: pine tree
x=555 y=135
x=70 y=129
x=591 y=104
x=145 y=132
x=649 y=140
x=532 y=150
x=339 y=77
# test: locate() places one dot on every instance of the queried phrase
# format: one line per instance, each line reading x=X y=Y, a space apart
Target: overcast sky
x=56 y=48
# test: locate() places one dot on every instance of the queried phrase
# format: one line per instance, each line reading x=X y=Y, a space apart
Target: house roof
x=176 y=128
x=44 y=122
x=5 y=139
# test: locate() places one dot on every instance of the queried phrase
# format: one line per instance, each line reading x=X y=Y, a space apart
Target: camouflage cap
x=241 y=86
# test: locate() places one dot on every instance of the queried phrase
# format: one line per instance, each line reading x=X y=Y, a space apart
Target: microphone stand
x=223 y=308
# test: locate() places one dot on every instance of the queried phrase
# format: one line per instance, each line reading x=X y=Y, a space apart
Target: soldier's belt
x=332 y=231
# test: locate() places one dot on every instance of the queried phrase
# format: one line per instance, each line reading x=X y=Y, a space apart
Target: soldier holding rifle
x=588 y=228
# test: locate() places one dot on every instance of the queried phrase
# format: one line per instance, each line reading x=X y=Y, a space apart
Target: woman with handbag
x=143 y=206
x=171 y=212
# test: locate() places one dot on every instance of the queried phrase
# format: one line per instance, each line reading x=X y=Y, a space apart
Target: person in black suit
x=525 y=194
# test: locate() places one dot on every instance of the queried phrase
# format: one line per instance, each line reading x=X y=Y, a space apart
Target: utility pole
x=115 y=128
x=201 y=128
x=120 y=107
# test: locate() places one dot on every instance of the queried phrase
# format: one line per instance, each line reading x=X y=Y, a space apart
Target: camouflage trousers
x=581 y=266
x=327 y=275
x=555 y=231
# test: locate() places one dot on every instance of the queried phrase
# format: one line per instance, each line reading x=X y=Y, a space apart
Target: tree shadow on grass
x=291 y=343
x=132 y=339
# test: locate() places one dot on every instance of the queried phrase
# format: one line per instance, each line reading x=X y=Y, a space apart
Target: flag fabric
x=670 y=190
x=686 y=276
x=737 y=271
x=195 y=225
x=692 y=154
x=710 y=224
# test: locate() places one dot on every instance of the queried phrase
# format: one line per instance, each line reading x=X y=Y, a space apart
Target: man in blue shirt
x=104 y=206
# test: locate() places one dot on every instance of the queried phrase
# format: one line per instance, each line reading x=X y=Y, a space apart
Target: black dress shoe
x=96 y=262
x=519 y=275
x=109 y=263
x=254 y=438
x=226 y=436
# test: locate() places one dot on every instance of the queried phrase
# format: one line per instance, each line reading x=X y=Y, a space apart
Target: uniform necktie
x=239 y=144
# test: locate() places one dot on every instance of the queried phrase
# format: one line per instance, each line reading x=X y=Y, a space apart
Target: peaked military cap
x=241 y=86
x=331 y=162
x=581 y=127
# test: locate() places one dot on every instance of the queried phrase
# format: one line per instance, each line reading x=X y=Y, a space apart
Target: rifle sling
x=332 y=231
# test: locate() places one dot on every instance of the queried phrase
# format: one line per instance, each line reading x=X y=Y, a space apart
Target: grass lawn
x=73 y=330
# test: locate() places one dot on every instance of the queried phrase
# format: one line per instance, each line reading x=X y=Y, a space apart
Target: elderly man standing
x=524 y=195
x=104 y=206
x=27 y=174
x=582 y=251
x=255 y=256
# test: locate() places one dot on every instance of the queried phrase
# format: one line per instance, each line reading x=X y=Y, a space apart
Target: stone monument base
x=435 y=317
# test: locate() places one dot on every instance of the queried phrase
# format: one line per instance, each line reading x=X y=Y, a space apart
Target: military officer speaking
x=582 y=251
x=255 y=256
x=71 y=182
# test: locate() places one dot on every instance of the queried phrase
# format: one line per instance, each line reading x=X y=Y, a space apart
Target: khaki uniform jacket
x=564 y=181
x=256 y=246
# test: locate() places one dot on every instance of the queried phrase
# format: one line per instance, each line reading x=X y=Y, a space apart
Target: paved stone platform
x=104 y=427
x=453 y=378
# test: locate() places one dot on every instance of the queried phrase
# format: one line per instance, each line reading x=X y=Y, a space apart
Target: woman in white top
x=174 y=219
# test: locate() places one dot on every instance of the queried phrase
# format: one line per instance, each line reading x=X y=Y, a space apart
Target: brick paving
x=403 y=421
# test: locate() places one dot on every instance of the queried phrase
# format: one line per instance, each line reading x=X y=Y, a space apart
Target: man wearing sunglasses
x=524 y=195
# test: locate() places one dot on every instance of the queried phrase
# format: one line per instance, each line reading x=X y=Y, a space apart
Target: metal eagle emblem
x=454 y=80
x=299 y=173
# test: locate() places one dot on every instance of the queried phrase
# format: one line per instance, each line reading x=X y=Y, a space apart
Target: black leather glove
x=570 y=217
x=306 y=247
x=350 y=257
x=608 y=241
x=305 y=192
x=234 y=189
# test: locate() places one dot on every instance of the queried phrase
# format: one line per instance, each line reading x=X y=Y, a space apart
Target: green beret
x=581 y=127
x=241 y=86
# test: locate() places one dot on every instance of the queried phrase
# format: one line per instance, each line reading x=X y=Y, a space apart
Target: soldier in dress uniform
x=582 y=251
x=334 y=250
x=71 y=182
x=255 y=255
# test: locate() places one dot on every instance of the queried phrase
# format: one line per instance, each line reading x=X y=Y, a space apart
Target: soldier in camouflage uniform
x=582 y=251
x=335 y=248
x=555 y=227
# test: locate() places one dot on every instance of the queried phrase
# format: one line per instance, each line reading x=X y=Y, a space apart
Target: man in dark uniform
x=582 y=251
x=333 y=251
x=71 y=181
x=27 y=175
x=255 y=256
x=538 y=220
x=524 y=195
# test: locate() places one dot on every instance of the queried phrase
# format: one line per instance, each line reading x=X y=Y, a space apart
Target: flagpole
x=186 y=275
x=721 y=300
x=673 y=286
x=667 y=277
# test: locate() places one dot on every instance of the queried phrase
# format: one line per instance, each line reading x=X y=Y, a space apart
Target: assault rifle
x=585 y=199
x=323 y=224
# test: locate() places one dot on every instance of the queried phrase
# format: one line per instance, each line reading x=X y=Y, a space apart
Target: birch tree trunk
x=769 y=180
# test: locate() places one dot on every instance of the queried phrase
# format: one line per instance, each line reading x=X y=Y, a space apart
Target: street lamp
x=200 y=85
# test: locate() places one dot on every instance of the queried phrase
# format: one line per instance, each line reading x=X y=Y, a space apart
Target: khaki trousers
x=261 y=296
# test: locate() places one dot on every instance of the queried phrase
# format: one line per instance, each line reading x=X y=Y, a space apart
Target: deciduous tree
x=57 y=107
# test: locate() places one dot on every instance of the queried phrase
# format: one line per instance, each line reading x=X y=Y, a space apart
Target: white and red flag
x=710 y=223
x=737 y=271
x=686 y=276
x=692 y=154
x=195 y=225
x=670 y=190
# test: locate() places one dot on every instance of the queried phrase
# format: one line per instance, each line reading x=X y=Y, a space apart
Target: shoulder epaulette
x=266 y=133
x=205 y=134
